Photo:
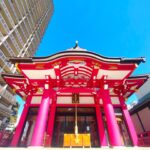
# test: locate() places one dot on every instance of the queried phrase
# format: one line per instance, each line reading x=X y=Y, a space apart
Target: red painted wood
x=21 y=123
x=41 y=120
x=129 y=123
x=113 y=129
x=101 y=131
x=28 y=86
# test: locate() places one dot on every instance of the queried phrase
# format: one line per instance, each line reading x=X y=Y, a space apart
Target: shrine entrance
x=80 y=99
x=65 y=124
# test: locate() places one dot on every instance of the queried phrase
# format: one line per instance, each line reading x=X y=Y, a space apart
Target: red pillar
x=113 y=129
x=129 y=122
x=51 y=122
x=101 y=131
x=40 y=125
x=21 y=123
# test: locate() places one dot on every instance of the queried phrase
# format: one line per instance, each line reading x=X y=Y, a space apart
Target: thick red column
x=40 y=125
x=21 y=123
x=113 y=129
x=51 y=122
x=129 y=122
x=101 y=131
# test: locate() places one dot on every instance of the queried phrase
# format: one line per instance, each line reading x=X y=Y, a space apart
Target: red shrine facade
x=75 y=98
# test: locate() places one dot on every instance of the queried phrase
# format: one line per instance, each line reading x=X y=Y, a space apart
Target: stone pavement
x=106 y=148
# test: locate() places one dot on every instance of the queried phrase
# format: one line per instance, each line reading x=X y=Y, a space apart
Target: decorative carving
x=113 y=67
x=40 y=66
x=57 y=63
x=75 y=98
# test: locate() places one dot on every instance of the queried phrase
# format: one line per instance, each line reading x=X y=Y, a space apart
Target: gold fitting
x=16 y=65
x=24 y=98
x=126 y=98
x=135 y=90
x=14 y=90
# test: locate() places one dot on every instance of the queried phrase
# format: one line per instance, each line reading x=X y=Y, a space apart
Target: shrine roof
x=77 y=52
x=22 y=86
x=75 y=68
x=76 y=63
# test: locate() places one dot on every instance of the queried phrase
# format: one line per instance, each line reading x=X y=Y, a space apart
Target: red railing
x=5 y=138
x=144 y=139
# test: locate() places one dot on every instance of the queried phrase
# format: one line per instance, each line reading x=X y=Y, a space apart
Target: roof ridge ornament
x=76 y=45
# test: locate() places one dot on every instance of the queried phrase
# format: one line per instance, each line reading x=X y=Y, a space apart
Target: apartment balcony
x=5 y=110
x=10 y=98
x=4 y=64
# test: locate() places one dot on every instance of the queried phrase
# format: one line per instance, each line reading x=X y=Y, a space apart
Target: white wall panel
x=36 y=100
x=115 y=100
x=86 y=100
x=64 y=100
x=137 y=124
x=145 y=118
x=68 y=100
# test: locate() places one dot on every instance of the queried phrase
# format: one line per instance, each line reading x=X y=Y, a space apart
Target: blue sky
x=118 y=28
x=113 y=28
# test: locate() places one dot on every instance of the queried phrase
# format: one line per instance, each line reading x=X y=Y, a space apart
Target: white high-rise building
x=22 y=25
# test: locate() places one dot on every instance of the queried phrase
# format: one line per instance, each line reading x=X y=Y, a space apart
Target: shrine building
x=75 y=98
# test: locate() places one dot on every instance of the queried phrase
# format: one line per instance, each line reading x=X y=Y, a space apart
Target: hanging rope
x=76 y=120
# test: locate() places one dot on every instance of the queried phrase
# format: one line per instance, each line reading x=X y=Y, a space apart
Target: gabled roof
x=75 y=68
x=78 y=52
